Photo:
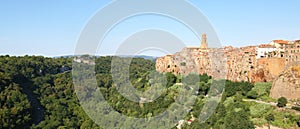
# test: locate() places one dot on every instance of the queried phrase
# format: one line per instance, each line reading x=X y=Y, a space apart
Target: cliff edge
x=287 y=84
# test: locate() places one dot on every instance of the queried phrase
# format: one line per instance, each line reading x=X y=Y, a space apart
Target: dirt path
x=258 y=101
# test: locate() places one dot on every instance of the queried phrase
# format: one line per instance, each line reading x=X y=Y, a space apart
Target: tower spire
x=204 y=42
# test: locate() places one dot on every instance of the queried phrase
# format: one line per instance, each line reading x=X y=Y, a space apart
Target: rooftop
x=281 y=41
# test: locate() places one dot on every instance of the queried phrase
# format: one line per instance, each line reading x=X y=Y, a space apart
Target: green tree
x=252 y=94
x=270 y=118
x=282 y=101
x=191 y=79
x=238 y=120
x=171 y=79
x=14 y=108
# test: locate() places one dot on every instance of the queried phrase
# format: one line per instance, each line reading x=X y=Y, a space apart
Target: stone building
x=204 y=44
x=292 y=52
x=251 y=63
x=266 y=50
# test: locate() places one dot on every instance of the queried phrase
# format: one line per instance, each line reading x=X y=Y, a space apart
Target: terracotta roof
x=248 y=50
x=266 y=46
x=297 y=41
x=281 y=41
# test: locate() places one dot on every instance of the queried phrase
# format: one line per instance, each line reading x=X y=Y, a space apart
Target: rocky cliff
x=287 y=84
x=235 y=64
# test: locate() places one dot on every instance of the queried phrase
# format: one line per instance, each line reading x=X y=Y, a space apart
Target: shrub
x=296 y=108
x=282 y=101
x=252 y=94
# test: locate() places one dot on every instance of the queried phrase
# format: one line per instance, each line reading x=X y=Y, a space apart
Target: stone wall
x=241 y=64
x=235 y=64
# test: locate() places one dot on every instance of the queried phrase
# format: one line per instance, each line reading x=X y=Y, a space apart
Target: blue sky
x=52 y=27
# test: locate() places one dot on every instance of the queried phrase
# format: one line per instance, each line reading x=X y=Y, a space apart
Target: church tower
x=204 y=42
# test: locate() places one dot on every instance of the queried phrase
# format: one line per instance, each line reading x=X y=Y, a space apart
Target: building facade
x=251 y=63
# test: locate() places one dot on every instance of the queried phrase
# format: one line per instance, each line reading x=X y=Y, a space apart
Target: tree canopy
x=38 y=92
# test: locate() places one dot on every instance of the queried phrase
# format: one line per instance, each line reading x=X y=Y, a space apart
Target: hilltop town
x=261 y=63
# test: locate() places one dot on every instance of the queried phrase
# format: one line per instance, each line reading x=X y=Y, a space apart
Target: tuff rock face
x=235 y=64
x=241 y=64
x=262 y=63
x=287 y=84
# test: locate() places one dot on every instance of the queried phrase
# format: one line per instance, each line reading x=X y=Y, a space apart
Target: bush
x=258 y=110
x=296 y=108
x=191 y=79
x=282 y=101
x=262 y=88
x=252 y=95
x=270 y=117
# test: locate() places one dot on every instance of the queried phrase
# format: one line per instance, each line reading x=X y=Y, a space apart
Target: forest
x=38 y=92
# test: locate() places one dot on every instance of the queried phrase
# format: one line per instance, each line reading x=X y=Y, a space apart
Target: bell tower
x=204 y=42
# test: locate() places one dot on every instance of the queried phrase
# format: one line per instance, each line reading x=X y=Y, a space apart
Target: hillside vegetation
x=38 y=92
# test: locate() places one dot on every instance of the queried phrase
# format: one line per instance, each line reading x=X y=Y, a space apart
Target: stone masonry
x=235 y=64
